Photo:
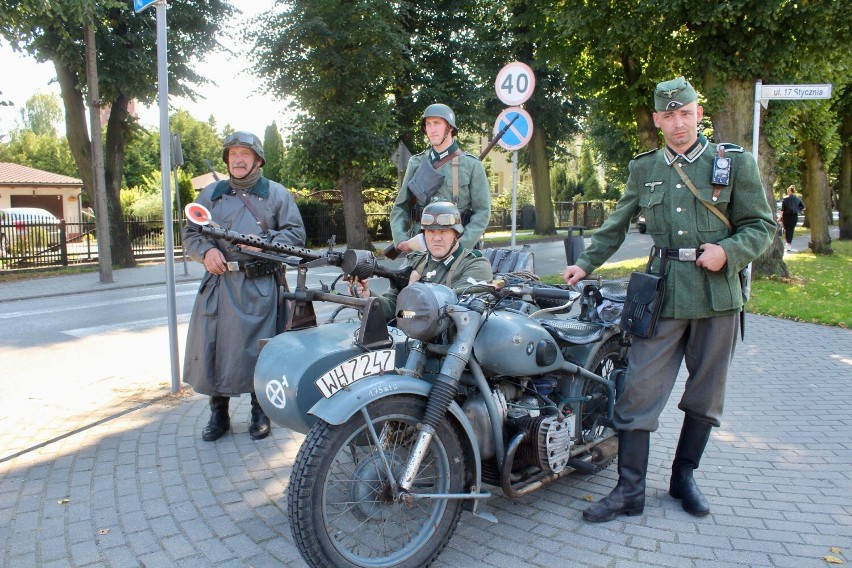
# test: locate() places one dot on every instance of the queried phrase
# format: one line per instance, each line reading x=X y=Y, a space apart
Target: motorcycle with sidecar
x=507 y=384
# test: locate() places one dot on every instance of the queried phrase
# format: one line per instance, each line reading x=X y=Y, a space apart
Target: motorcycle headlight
x=420 y=310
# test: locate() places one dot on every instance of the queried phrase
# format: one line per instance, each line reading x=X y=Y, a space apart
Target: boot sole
x=629 y=513
x=212 y=438
x=699 y=513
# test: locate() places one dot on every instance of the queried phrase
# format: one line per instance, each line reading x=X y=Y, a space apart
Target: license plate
x=352 y=370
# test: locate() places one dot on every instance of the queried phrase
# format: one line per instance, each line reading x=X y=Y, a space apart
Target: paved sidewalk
x=135 y=486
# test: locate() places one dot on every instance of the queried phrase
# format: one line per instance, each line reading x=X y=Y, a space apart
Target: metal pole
x=755 y=136
x=180 y=208
x=101 y=206
x=165 y=166
x=514 y=195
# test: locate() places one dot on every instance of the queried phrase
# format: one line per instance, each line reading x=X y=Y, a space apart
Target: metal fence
x=39 y=244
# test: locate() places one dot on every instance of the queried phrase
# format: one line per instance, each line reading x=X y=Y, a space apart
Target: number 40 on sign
x=515 y=83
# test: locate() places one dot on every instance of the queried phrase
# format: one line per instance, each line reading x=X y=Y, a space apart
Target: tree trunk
x=76 y=131
x=733 y=117
x=540 y=172
x=844 y=183
x=350 y=185
x=116 y=142
x=649 y=136
x=733 y=121
x=816 y=197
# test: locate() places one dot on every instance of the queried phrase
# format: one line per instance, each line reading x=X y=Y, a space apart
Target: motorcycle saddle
x=573 y=331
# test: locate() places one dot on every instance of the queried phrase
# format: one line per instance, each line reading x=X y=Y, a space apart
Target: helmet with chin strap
x=441 y=111
x=441 y=216
x=244 y=139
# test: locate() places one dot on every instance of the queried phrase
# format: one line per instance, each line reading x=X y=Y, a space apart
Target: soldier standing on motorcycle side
x=703 y=297
x=445 y=261
x=441 y=173
x=237 y=301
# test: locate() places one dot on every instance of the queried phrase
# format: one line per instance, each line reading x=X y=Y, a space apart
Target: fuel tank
x=511 y=344
x=291 y=363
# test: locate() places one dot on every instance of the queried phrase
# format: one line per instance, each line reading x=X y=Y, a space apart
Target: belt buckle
x=686 y=254
x=232 y=266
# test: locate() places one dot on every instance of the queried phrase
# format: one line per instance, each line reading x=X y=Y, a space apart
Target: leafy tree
x=127 y=66
x=334 y=58
x=41 y=113
x=588 y=174
x=199 y=142
x=41 y=151
x=273 y=149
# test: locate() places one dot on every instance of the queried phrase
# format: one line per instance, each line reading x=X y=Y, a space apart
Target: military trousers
x=706 y=345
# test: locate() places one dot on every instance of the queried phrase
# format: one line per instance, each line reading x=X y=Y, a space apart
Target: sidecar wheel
x=340 y=504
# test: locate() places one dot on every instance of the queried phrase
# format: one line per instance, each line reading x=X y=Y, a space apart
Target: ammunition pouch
x=257 y=268
x=425 y=182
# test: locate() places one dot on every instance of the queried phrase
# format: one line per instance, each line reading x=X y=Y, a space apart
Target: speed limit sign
x=515 y=83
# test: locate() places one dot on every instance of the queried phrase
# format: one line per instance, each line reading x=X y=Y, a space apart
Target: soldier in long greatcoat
x=237 y=302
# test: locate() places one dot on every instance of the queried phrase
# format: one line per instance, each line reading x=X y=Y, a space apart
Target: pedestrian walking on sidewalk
x=791 y=207
x=703 y=297
x=237 y=302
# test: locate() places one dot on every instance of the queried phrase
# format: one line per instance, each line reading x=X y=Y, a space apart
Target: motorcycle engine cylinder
x=548 y=442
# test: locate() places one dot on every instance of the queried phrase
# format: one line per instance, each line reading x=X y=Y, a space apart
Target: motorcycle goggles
x=442 y=220
x=239 y=139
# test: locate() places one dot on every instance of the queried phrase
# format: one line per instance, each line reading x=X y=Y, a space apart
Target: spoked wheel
x=341 y=503
x=593 y=412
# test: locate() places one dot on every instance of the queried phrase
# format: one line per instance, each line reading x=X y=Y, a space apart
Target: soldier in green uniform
x=446 y=261
x=703 y=298
x=441 y=173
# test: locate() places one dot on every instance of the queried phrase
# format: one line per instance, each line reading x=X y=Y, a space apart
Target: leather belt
x=685 y=254
x=252 y=268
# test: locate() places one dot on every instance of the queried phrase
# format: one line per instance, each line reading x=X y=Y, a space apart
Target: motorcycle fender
x=344 y=404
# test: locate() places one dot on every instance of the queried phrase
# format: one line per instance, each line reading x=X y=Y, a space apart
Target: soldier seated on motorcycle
x=444 y=261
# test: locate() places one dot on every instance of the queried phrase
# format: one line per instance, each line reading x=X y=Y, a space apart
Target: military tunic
x=464 y=264
x=474 y=194
x=231 y=312
x=676 y=219
x=698 y=322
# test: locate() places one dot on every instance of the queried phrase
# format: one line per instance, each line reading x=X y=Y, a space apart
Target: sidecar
x=298 y=368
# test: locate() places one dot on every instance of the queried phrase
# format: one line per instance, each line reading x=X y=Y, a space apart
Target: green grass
x=818 y=291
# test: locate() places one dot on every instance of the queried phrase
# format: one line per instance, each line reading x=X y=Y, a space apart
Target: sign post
x=764 y=93
x=165 y=167
x=514 y=84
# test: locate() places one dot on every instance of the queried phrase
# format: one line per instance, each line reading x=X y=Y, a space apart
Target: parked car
x=31 y=227
x=641 y=225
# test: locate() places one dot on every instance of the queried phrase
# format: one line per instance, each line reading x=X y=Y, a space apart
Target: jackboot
x=628 y=496
x=260 y=425
x=693 y=439
x=219 y=420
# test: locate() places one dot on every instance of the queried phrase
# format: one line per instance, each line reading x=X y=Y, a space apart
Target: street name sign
x=140 y=5
x=515 y=83
x=519 y=132
x=795 y=92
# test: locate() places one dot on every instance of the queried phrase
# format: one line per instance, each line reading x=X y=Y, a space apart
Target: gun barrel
x=259 y=242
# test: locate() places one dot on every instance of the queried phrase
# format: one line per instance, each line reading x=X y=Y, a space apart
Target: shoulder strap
x=713 y=209
x=456 y=181
x=250 y=207
x=446 y=159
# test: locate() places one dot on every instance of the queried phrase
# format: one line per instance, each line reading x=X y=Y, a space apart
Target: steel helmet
x=440 y=215
x=441 y=111
x=246 y=139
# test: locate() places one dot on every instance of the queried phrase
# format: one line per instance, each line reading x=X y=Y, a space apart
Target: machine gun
x=297 y=307
x=357 y=264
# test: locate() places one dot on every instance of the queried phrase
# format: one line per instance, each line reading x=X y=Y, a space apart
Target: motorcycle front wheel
x=340 y=502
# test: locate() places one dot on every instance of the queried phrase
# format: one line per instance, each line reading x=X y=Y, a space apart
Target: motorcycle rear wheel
x=593 y=413
x=338 y=500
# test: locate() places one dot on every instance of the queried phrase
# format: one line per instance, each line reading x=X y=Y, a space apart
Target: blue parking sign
x=519 y=133
x=139 y=5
